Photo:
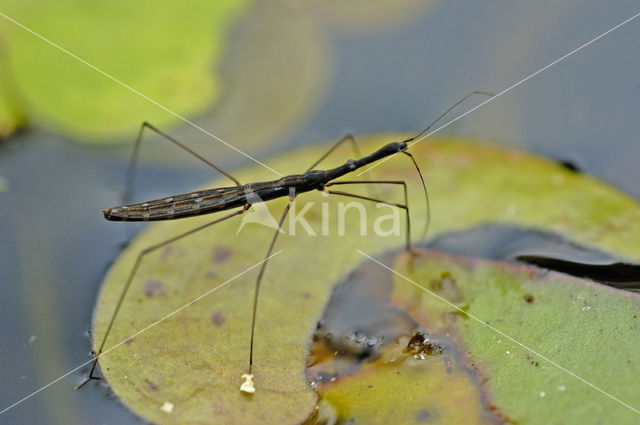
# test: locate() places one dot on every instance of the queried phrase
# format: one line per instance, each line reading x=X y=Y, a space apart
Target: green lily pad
x=11 y=115
x=133 y=41
x=585 y=327
x=194 y=360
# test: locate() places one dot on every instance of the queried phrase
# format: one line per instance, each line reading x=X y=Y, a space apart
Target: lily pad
x=589 y=329
x=11 y=115
x=195 y=358
x=135 y=42
x=473 y=311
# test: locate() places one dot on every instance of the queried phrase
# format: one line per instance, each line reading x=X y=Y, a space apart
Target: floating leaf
x=194 y=360
x=135 y=42
x=480 y=375
x=11 y=116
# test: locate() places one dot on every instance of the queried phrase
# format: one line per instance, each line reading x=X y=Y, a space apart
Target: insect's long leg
x=132 y=274
x=404 y=206
x=247 y=386
x=136 y=150
x=351 y=138
x=447 y=111
x=426 y=195
x=348 y=138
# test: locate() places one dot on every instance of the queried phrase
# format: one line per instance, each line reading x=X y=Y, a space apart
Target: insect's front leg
x=348 y=138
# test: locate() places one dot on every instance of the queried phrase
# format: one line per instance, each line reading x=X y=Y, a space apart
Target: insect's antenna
x=413 y=139
x=426 y=196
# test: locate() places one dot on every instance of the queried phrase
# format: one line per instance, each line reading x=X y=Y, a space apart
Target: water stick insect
x=241 y=198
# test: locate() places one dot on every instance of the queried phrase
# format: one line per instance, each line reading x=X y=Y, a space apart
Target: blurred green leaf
x=167 y=52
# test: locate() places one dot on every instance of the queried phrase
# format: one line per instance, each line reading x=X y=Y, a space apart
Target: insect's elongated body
x=241 y=197
x=221 y=199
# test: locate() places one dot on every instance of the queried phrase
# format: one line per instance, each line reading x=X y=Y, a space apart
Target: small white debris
x=542 y=394
x=561 y=388
x=247 y=386
x=32 y=339
x=167 y=407
x=508 y=352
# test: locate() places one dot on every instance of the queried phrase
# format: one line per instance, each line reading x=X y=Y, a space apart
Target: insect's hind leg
x=133 y=160
x=132 y=274
x=404 y=206
x=247 y=386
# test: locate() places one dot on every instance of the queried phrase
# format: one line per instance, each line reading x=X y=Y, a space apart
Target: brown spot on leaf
x=152 y=386
x=448 y=364
x=221 y=254
x=426 y=416
x=153 y=288
x=419 y=344
x=170 y=251
x=217 y=319
x=219 y=407
x=447 y=286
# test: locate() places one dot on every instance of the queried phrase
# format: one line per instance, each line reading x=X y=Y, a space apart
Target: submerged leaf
x=195 y=359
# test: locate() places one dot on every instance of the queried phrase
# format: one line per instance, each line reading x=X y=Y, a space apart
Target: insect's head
x=399 y=146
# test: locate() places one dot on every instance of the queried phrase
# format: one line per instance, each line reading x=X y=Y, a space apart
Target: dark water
x=55 y=246
x=536 y=247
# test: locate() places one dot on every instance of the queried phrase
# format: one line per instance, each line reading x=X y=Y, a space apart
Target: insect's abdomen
x=179 y=206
